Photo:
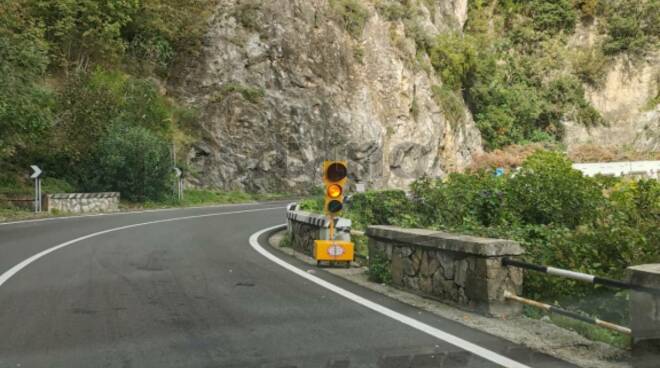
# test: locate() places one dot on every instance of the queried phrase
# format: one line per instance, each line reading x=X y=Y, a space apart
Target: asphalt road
x=192 y=292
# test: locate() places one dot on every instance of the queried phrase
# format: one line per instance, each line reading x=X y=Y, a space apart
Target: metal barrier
x=579 y=276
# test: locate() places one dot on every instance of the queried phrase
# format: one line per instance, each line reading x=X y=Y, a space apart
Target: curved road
x=184 y=288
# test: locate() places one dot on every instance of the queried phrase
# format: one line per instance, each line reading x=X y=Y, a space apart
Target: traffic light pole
x=331 y=227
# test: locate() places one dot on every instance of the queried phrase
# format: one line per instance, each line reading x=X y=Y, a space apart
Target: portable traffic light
x=334 y=177
x=332 y=250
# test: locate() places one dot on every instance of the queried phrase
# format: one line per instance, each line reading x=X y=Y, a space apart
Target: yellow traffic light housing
x=334 y=177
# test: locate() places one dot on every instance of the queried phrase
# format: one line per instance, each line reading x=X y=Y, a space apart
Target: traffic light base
x=333 y=252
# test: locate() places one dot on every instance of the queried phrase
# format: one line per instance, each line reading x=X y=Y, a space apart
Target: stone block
x=396 y=268
x=645 y=316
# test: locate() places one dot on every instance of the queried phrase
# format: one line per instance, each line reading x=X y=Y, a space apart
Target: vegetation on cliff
x=513 y=65
x=73 y=72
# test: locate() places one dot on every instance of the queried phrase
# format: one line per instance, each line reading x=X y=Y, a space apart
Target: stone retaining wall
x=81 y=202
x=463 y=270
x=305 y=227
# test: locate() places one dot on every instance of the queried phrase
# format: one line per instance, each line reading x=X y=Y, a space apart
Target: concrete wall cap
x=83 y=195
x=485 y=247
x=318 y=220
x=653 y=268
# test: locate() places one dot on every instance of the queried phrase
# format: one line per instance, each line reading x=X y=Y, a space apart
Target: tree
x=133 y=161
x=25 y=104
x=547 y=190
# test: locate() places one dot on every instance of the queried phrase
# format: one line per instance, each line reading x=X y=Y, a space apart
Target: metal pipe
x=579 y=276
x=557 y=310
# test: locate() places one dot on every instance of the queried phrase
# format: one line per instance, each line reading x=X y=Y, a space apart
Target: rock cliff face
x=283 y=84
x=627 y=100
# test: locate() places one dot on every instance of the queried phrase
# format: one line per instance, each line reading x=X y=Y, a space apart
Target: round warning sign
x=335 y=250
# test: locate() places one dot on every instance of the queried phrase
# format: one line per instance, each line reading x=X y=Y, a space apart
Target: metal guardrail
x=579 y=276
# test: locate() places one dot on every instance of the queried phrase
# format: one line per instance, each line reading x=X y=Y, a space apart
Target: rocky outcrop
x=627 y=100
x=283 y=84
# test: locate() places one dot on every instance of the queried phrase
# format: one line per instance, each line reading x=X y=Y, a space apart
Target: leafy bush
x=351 y=14
x=454 y=57
x=389 y=207
x=451 y=104
x=547 y=190
x=379 y=269
x=312 y=204
x=589 y=66
x=393 y=10
x=632 y=26
x=595 y=225
x=553 y=15
x=133 y=161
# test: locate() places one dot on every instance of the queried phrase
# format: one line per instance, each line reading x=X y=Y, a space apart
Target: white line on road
x=14 y=270
x=430 y=330
x=132 y=212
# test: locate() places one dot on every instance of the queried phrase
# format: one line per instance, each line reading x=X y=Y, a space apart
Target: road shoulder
x=534 y=334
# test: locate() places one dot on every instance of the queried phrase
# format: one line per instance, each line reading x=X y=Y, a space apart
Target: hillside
x=253 y=94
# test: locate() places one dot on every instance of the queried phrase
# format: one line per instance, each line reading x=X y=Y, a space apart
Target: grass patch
x=287 y=241
x=450 y=103
x=199 y=197
x=250 y=93
x=351 y=14
x=379 y=270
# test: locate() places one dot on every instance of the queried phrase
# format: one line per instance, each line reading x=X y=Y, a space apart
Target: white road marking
x=17 y=268
x=430 y=330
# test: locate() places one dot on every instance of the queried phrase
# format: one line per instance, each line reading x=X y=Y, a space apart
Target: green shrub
x=393 y=10
x=379 y=269
x=55 y=185
x=312 y=204
x=632 y=26
x=454 y=57
x=553 y=15
x=250 y=93
x=589 y=66
x=133 y=161
x=92 y=102
x=451 y=104
x=388 y=207
x=247 y=14
x=351 y=14
x=547 y=190
x=596 y=225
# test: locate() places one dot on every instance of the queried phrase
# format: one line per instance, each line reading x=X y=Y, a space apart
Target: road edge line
x=411 y=322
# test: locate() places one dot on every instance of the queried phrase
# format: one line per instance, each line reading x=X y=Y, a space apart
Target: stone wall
x=81 y=202
x=462 y=270
x=305 y=227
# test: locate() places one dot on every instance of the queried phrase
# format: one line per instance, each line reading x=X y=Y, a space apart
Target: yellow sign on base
x=333 y=250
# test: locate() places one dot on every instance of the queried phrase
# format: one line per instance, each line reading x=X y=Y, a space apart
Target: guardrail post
x=645 y=316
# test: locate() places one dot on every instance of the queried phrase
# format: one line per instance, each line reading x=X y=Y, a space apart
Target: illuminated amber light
x=334 y=191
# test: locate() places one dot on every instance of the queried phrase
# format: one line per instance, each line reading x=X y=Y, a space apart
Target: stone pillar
x=645 y=316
